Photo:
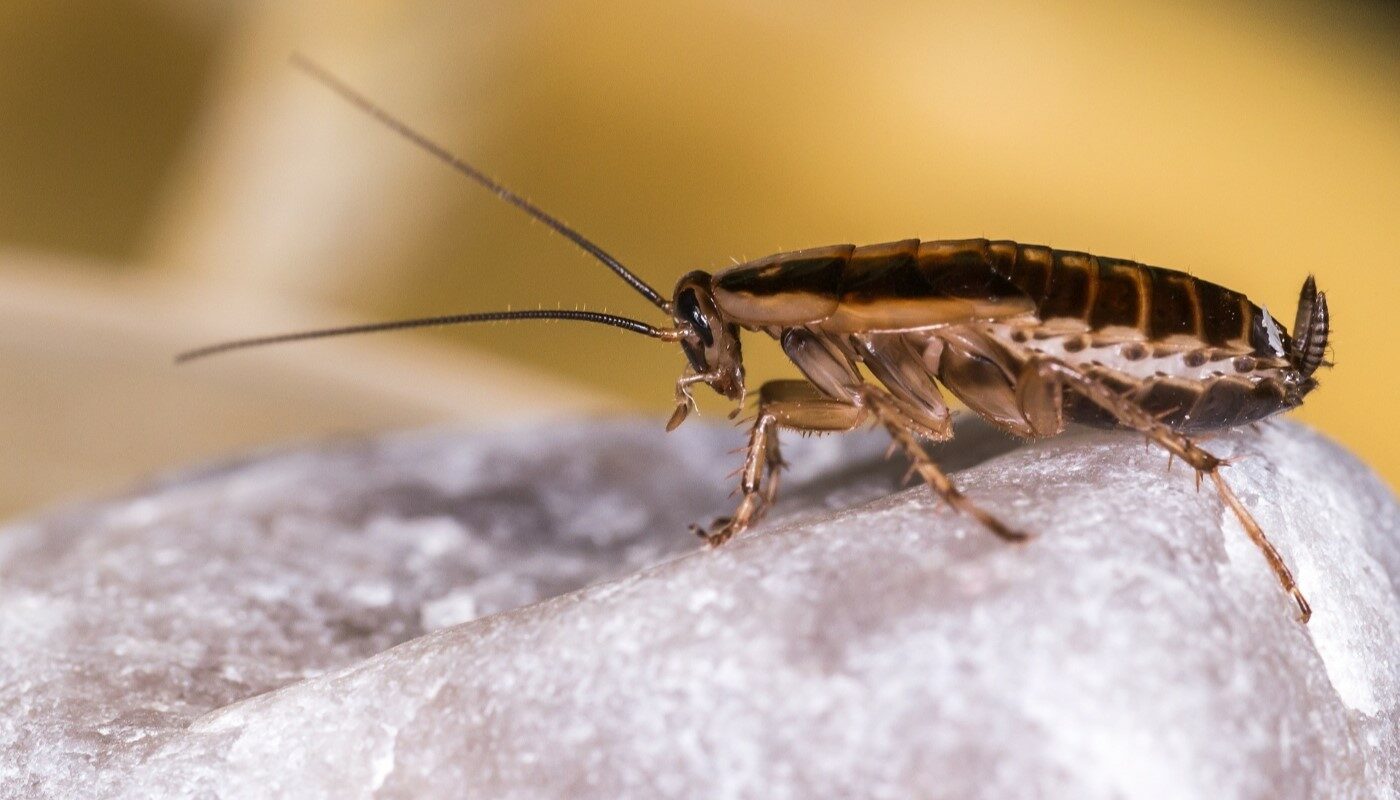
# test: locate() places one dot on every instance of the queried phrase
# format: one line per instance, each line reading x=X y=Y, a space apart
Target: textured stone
x=523 y=615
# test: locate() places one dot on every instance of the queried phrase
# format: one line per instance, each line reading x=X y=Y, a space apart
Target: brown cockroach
x=1028 y=337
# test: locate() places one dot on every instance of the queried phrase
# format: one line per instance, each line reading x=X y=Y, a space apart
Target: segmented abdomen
x=1111 y=292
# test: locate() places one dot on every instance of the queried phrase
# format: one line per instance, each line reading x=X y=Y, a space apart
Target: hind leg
x=1041 y=373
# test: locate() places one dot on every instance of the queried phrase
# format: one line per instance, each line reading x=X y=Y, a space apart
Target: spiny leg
x=1129 y=413
x=901 y=429
x=758 y=484
x=797 y=405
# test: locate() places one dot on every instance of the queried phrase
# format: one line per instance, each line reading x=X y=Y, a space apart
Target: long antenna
x=442 y=154
x=624 y=323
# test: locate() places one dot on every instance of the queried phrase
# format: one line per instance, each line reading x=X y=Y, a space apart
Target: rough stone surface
x=522 y=615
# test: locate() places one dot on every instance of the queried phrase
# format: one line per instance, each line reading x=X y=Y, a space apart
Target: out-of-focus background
x=166 y=179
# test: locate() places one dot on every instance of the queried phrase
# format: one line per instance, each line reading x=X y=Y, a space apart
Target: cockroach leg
x=1271 y=554
x=685 y=401
x=1131 y=415
x=901 y=429
x=792 y=404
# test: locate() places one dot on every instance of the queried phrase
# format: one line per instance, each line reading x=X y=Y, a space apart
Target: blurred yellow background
x=166 y=179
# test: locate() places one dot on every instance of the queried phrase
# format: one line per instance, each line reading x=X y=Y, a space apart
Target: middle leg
x=901 y=429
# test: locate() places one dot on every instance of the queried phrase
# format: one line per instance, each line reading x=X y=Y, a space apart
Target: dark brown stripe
x=1071 y=286
x=1172 y=310
x=967 y=269
x=810 y=272
x=1034 y=265
x=1091 y=296
x=1221 y=319
x=956 y=266
x=883 y=271
x=1119 y=300
x=1003 y=255
x=947 y=254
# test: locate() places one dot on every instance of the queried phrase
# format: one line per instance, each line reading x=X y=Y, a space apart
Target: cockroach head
x=710 y=342
x=1311 y=328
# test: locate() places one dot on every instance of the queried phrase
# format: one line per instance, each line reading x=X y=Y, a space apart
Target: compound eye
x=688 y=307
x=696 y=357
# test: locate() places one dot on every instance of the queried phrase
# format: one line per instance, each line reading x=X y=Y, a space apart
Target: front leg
x=685 y=401
x=796 y=405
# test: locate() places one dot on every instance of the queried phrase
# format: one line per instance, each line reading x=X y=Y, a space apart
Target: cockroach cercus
x=1028 y=337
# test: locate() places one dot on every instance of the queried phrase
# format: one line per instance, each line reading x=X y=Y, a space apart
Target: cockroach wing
x=908 y=285
x=785 y=290
x=895 y=286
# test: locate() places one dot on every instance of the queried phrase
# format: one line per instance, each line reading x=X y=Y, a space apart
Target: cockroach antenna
x=442 y=154
x=635 y=326
x=321 y=75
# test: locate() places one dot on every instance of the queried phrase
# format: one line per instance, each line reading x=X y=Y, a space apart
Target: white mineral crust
x=523 y=615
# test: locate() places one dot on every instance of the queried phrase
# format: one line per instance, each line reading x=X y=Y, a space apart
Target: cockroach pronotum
x=1026 y=336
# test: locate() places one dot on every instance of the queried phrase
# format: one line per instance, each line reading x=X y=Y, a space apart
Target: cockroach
x=1027 y=337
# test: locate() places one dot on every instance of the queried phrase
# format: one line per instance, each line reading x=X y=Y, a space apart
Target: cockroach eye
x=695 y=356
x=689 y=308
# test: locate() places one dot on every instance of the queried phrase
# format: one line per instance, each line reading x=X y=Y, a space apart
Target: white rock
x=300 y=625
